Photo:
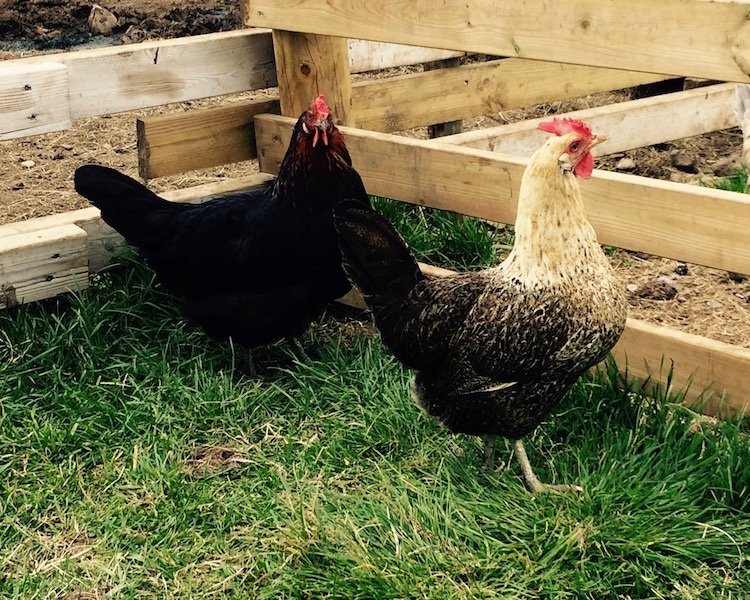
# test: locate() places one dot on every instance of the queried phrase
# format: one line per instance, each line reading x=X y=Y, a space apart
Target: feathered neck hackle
x=308 y=169
x=554 y=240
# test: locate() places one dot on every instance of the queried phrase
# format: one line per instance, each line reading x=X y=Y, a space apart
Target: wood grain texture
x=119 y=78
x=679 y=221
x=41 y=264
x=677 y=37
x=180 y=142
x=33 y=99
x=472 y=90
x=365 y=55
x=675 y=361
x=309 y=65
x=169 y=144
x=632 y=124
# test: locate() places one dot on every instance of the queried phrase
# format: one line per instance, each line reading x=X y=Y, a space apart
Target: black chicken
x=495 y=350
x=255 y=267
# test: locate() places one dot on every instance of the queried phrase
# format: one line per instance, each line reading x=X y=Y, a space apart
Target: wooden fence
x=554 y=53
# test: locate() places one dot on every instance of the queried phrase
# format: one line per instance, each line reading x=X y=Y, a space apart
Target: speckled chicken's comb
x=563 y=125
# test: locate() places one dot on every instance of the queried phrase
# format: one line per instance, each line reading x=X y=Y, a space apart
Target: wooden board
x=308 y=65
x=180 y=142
x=33 y=99
x=633 y=124
x=365 y=55
x=42 y=264
x=169 y=144
x=678 y=37
x=472 y=90
x=684 y=222
x=676 y=361
x=119 y=78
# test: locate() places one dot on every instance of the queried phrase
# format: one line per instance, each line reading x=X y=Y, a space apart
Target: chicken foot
x=534 y=485
x=299 y=350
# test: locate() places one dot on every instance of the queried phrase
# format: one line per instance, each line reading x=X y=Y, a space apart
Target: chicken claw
x=535 y=486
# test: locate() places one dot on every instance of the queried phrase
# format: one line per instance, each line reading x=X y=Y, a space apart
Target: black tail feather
x=124 y=202
x=374 y=255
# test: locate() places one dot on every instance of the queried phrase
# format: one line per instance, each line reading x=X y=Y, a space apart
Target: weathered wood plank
x=33 y=99
x=365 y=55
x=632 y=124
x=175 y=143
x=436 y=130
x=678 y=361
x=109 y=80
x=472 y=90
x=180 y=142
x=309 y=65
x=684 y=222
x=678 y=37
x=42 y=264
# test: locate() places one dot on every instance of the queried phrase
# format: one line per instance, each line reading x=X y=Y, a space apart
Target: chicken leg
x=247 y=364
x=489 y=452
x=299 y=350
x=534 y=485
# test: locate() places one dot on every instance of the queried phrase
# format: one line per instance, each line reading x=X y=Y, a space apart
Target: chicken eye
x=575 y=145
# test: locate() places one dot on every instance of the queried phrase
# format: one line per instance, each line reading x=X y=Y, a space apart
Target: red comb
x=321 y=107
x=561 y=126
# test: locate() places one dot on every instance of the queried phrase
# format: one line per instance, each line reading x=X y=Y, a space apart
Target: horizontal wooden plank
x=33 y=99
x=677 y=37
x=120 y=78
x=365 y=55
x=684 y=222
x=169 y=144
x=180 y=142
x=42 y=264
x=152 y=73
x=632 y=124
x=170 y=71
x=706 y=370
x=472 y=90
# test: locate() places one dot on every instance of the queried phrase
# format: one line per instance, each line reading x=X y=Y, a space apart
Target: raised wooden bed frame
x=554 y=52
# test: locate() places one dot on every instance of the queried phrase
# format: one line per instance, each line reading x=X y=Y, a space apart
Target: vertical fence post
x=308 y=65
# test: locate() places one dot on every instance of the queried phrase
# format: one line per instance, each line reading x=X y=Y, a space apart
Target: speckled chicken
x=253 y=266
x=496 y=350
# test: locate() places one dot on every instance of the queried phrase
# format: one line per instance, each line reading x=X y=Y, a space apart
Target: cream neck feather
x=554 y=240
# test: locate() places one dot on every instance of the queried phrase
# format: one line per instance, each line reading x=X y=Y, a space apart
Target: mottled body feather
x=495 y=350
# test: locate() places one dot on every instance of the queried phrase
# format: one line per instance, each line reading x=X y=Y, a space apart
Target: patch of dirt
x=208 y=460
x=61 y=24
x=36 y=173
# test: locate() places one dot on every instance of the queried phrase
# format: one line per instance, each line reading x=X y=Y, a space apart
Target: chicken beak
x=598 y=139
x=321 y=131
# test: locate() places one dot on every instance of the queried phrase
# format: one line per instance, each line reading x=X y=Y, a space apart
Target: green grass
x=343 y=488
x=445 y=238
x=734 y=183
